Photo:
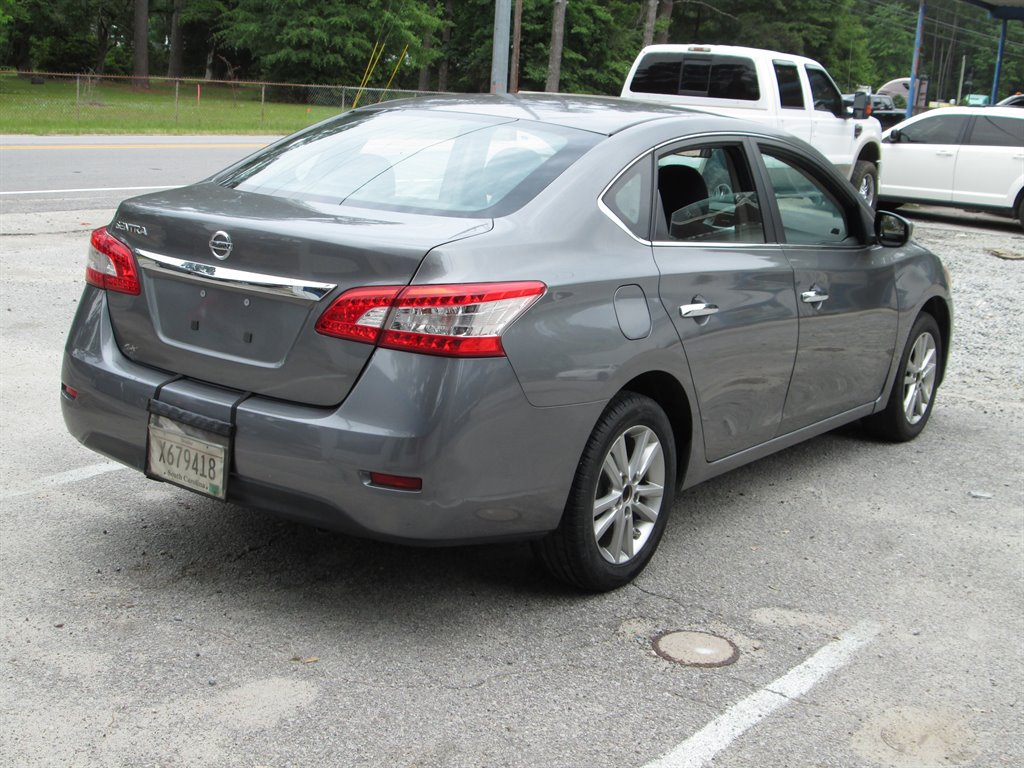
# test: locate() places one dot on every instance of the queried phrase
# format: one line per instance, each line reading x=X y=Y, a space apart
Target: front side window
x=811 y=214
x=938 y=129
x=824 y=92
x=997 y=132
x=707 y=195
x=417 y=161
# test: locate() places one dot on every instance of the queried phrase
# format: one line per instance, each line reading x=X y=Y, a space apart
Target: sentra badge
x=132 y=229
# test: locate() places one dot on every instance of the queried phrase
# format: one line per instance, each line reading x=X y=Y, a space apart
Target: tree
x=140 y=45
x=650 y=17
x=555 y=51
x=664 y=20
x=331 y=41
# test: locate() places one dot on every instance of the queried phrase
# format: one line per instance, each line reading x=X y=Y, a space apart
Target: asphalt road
x=875 y=592
x=66 y=173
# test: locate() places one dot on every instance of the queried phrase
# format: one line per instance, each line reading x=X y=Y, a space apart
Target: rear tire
x=913 y=392
x=865 y=181
x=1020 y=211
x=620 y=498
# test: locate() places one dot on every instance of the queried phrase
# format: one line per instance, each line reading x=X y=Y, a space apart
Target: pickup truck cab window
x=826 y=96
x=791 y=94
x=697 y=74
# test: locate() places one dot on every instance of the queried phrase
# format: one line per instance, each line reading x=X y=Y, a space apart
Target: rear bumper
x=492 y=465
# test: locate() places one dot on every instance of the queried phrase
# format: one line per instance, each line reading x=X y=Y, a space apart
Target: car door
x=831 y=132
x=844 y=288
x=919 y=162
x=990 y=163
x=728 y=290
x=794 y=115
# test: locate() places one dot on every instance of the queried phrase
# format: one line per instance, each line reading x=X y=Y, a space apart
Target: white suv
x=965 y=157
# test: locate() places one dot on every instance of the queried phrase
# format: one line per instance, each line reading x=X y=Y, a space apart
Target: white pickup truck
x=789 y=92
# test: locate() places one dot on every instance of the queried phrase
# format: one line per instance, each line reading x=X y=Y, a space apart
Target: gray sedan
x=456 y=320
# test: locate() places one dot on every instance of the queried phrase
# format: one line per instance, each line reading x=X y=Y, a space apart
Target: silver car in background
x=475 y=319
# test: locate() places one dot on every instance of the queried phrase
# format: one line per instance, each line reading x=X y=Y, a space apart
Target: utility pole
x=912 y=96
x=499 y=51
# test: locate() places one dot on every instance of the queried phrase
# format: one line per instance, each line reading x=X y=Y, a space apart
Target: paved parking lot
x=875 y=592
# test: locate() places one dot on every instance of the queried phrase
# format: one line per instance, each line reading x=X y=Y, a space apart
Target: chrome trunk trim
x=256 y=282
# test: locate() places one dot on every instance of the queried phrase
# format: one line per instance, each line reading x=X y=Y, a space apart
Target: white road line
x=63 y=478
x=717 y=735
x=65 y=191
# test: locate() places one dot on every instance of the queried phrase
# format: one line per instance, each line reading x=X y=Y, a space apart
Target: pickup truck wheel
x=1020 y=211
x=865 y=181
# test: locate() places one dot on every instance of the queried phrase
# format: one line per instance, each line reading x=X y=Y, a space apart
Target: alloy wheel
x=629 y=494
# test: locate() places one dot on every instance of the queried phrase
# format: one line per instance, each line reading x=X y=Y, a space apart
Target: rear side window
x=791 y=95
x=707 y=195
x=715 y=77
x=997 y=132
x=416 y=161
x=629 y=198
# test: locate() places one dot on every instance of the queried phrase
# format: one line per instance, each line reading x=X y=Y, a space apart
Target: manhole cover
x=696 y=649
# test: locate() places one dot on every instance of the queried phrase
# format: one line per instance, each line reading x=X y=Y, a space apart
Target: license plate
x=187 y=456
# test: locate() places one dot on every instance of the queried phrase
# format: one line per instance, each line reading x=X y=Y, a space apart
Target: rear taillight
x=111 y=264
x=452 y=320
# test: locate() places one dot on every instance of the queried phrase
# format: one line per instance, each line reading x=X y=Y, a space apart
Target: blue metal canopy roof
x=1002 y=9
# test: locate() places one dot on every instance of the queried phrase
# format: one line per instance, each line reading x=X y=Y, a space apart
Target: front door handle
x=814 y=296
x=701 y=309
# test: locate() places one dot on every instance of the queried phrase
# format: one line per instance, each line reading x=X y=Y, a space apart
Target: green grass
x=114 y=107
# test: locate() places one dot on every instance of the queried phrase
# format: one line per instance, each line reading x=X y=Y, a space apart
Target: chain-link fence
x=46 y=102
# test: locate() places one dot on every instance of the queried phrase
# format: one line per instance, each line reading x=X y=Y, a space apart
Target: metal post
x=263 y=104
x=912 y=96
x=499 y=51
x=177 y=88
x=999 y=64
x=78 y=101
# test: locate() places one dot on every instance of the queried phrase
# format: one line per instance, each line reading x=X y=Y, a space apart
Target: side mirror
x=894 y=136
x=861 y=105
x=891 y=230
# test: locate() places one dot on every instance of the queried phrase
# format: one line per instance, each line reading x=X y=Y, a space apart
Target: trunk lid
x=242 y=316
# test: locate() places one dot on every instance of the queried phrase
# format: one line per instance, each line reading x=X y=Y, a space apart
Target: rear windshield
x=698 y=74
x=415 y=160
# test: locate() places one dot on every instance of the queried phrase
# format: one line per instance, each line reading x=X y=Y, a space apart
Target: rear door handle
x=698 y=310
x=814 y=296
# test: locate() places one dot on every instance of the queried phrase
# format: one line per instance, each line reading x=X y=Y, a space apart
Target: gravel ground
x=141 y=625
x=987 y=269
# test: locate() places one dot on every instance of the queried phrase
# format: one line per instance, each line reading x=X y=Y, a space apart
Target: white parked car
x=965 y=157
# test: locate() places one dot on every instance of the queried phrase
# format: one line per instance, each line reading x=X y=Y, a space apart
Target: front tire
x=620 y=498
x=865 y=181
x=913 y=392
